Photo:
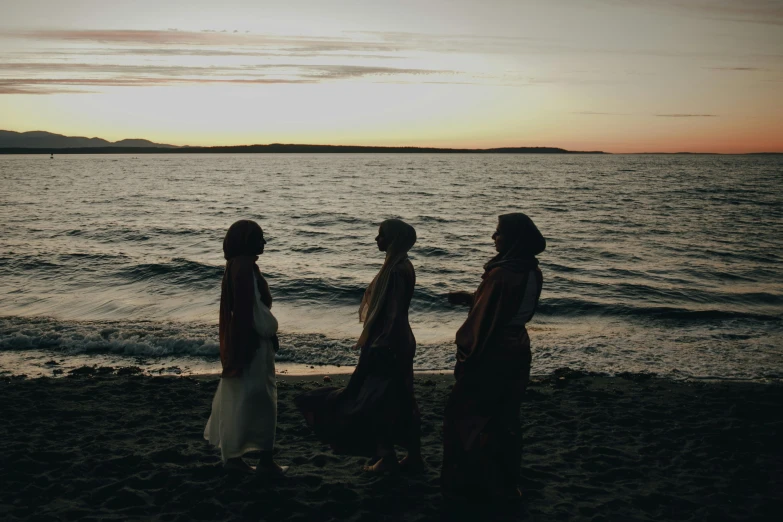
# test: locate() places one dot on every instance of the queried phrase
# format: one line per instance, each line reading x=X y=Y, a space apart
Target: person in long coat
x=481 y=428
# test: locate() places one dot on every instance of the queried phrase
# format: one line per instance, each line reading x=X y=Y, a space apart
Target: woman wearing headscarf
x=244 y=409
x=482 y=433
x=377 y=408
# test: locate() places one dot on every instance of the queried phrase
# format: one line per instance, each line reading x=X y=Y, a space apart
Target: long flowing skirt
x=482 y=434
x=244 y=409
x=376 y=409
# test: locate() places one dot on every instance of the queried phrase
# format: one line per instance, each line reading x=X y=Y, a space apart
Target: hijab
x=242 y=239
x=526 y=243
x=498 y=298
x=401 y=238
x=240 y=247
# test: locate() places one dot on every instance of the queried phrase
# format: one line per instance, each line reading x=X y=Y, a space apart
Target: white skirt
x=244 y=410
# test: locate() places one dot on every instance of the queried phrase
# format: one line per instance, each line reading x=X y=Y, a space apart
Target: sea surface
x=670 y=264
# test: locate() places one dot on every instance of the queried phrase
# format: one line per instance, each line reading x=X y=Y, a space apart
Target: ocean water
x=665 y=264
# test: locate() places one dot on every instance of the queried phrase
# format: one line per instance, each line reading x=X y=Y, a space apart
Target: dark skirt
x=482 y=433
x=376 y=409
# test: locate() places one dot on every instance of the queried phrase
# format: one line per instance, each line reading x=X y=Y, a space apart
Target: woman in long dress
x=481 y=429
x=244 y=409
x=377 y=409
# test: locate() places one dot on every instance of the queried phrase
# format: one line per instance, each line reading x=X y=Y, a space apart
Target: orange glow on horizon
x=619 y=77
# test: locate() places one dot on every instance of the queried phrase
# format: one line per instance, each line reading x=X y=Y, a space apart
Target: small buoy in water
x=327 y=378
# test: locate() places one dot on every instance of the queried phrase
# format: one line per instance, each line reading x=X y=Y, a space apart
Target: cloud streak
x=593 y=113
x=325 y=71
x=205 y=52
x=350 y=45
x=356 y=42
x=57 y=78
x=768 y=12
x=678 y=115
x=53 y=85
x=154 y=57
x=742 y=69
x=232 y=57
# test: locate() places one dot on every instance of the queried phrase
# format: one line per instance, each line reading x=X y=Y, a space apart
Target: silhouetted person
x=377 y=408
x=481 y=429
x=244 y=410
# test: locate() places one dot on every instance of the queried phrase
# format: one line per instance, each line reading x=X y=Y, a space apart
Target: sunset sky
x=612 y=75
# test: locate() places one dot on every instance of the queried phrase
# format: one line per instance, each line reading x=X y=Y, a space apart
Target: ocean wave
x=328 y=220
x=178 y=231
x=13 y=262
x=152 y=339
x=432 y=299
x=432 y=251
x=746 y=352
x=433 y=219
x=178 y=271
x=310 y=249
x=52 y=265
x=312 y=233
x=324 y=291
x=318 y=289
x=561 y=268
x=124 y=338
x=80 y=257
x=108 y=234
x=572 y=307
x=561 y=298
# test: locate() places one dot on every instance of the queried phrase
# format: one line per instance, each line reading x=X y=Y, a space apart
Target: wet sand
x=109 y=444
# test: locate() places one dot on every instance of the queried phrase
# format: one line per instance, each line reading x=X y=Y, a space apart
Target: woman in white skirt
x=244 y=410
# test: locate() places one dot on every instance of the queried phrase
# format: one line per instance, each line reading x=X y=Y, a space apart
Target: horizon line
x=376 y=149
x=154 y=147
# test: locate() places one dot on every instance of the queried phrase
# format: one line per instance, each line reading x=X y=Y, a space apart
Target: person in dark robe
x=377 y=409
x=244 y=409
x=482 y=446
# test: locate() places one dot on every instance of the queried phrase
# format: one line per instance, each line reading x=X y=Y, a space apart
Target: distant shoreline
x=43 y=142
x=290 y=149
x=343 y=149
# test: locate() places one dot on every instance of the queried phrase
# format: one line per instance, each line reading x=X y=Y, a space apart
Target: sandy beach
x=111 y=444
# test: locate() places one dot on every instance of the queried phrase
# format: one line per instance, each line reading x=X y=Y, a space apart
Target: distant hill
x=48 y=140
x=40 y=142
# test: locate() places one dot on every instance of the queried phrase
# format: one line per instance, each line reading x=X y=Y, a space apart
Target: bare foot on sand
x=412 y=464
x=382 y=465
x=238 y=465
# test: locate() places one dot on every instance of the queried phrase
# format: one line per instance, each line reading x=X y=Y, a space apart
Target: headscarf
x=527 y=243
x=242 y=240
x=401 y=237
x=499 y=297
